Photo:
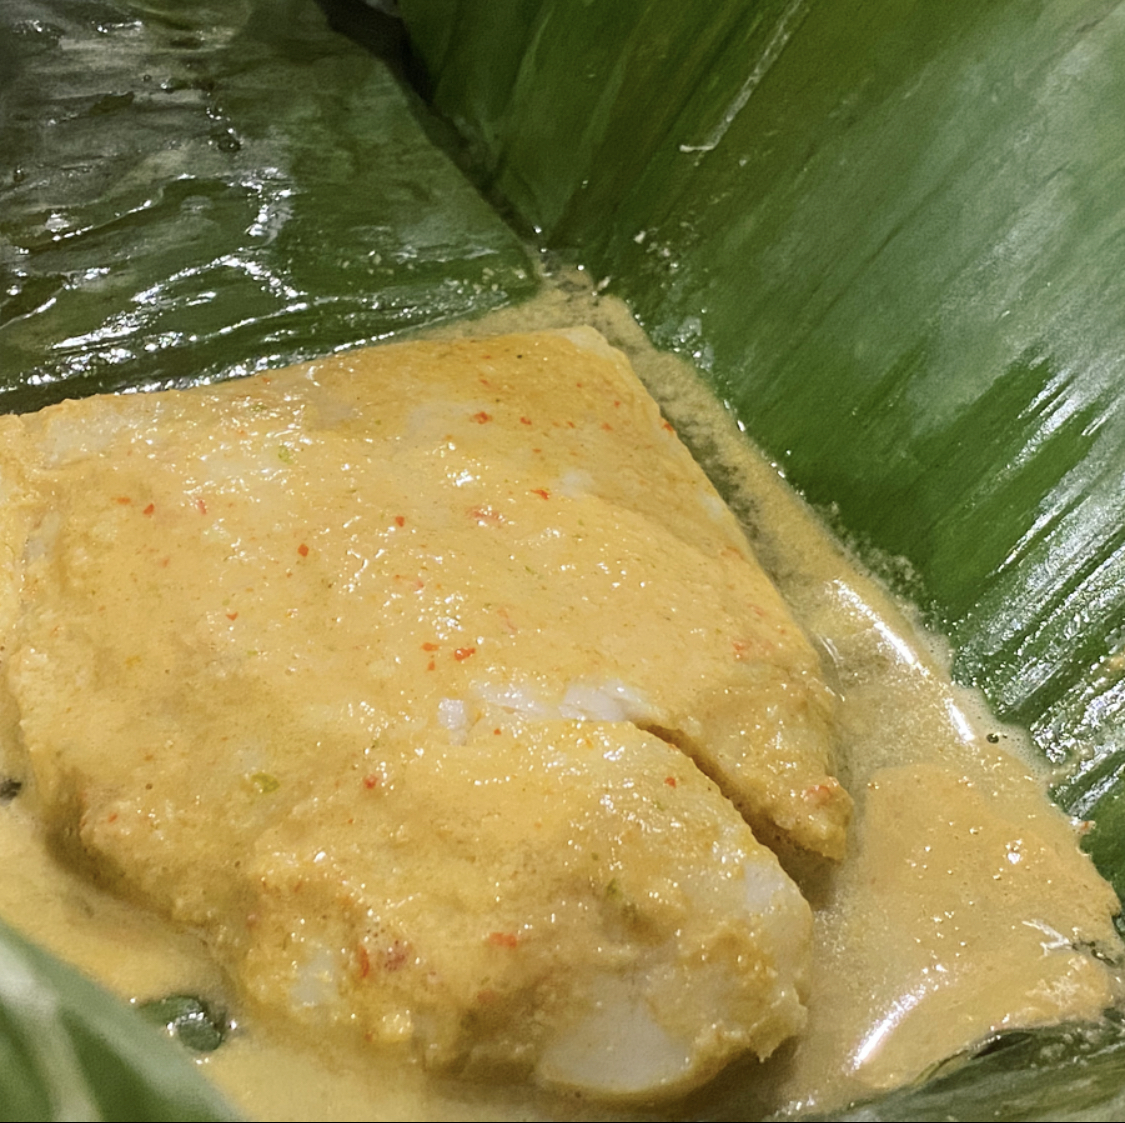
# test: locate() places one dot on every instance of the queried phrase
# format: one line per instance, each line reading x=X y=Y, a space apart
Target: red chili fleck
x=486 y=356
x=541 y=491
x=429 y=647
x=482 y=417
x=202 y=506
x=371 y=781
x=400 y=520
x=617 y=403
x=232 y=615
x=303 y=550
x=364 y=961
x=430 y=665
x=668 y=425
x=496 y=733
x=740 y=648
x=462 y=653
x=150 y=508
x=503 y=939
x=670 y=781
x=124 y=500
x=525 y=420
x=485 y=382
x=112 y=818
x=607 y=427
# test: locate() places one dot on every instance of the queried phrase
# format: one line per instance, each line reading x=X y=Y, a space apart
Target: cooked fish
x=429 y=682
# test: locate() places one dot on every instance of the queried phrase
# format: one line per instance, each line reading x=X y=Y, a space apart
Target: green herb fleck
x=265 y=783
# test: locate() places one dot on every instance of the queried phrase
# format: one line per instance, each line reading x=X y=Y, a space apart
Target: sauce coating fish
x=402 y=675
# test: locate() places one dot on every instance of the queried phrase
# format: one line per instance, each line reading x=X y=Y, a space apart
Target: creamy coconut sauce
x=958 y=911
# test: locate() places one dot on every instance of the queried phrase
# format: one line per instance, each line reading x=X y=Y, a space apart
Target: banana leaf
x=890 y=235
x=69 y=1051
x=189 y=190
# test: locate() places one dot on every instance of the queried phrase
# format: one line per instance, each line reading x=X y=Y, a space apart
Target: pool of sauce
x=964 y=907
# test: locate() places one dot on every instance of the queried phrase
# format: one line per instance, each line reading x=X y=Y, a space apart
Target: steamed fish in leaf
x=401 y=675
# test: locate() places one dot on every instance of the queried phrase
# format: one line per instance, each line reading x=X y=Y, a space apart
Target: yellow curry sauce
x=959 y=908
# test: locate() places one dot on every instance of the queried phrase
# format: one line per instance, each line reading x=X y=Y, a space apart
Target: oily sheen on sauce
x=954 y=856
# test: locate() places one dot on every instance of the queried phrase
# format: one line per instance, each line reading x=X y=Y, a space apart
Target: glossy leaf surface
x=189 y=190
x=68 y=1051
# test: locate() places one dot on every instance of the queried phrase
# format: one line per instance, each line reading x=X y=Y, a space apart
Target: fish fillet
x=437 y=687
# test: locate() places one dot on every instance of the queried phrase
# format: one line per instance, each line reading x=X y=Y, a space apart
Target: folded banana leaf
x=890 y=235
x=188 y=190
x=69 y=1051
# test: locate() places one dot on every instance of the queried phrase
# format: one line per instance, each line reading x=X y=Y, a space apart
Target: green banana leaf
x=69 y=1051
x=889 y=233
x=189 y=190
